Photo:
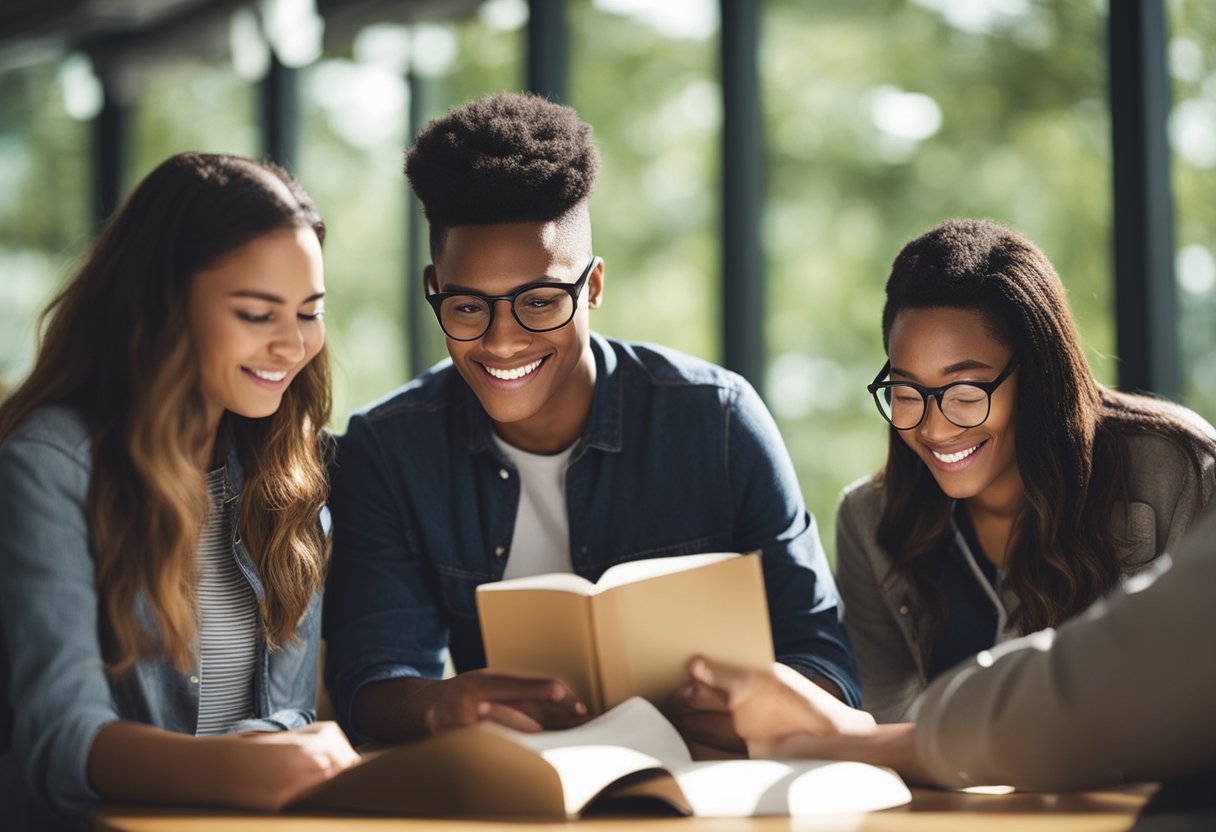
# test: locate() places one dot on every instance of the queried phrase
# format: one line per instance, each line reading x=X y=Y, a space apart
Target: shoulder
x=51 y=432
x=858 y=553
x=434 y=389
x=861 y=505
x=1159 y=465
x=662 y=366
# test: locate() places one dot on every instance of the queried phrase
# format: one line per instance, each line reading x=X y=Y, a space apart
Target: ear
x=430 y=280
x=595 y=285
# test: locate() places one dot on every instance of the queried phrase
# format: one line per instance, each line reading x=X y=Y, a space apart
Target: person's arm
x=385 y=630
x=1053 y=711
x=137 y=763
x=403 y=709
x=1121 y=693
x=889 y=678
x=73 y=747
x=782 y=715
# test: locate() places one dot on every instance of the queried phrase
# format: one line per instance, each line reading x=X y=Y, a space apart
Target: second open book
x=633 y=632
x=631 y=751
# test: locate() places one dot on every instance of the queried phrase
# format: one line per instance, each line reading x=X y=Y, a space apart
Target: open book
x=633 y=632
x=630 y=752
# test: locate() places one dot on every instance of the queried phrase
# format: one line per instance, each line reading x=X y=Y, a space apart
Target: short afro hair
x=508 y=157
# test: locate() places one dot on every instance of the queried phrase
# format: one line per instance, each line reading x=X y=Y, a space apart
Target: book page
x=745 y=788
x=561 y=581
x=648 y=631
x=541 y=633
x=633 y=737
x=641 y=570
x=464 y=772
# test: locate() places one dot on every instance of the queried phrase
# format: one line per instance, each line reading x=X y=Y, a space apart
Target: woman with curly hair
x=163 y=475
x=1017 y=489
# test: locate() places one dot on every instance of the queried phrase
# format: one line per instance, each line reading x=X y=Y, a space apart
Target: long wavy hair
x=115 y=348
x=1064 y=553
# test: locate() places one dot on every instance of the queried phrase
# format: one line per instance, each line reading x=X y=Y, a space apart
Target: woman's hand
x=772 y=710
x=270 y=770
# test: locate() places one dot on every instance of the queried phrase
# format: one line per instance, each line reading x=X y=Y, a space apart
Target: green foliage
x=999 y=111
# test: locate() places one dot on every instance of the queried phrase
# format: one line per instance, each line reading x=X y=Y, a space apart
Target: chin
x=256 y=412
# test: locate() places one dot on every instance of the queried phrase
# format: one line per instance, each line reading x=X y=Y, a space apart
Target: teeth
x=958 y=457
x=518 y=372
x=269 y=376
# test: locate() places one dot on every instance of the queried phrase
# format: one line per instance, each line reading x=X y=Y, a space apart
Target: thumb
x=715 y=674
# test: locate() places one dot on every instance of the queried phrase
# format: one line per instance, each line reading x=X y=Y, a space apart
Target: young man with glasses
x=1017 y=490
x=542 y=447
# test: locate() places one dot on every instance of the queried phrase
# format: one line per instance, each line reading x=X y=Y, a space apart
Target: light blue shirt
x=56 y=693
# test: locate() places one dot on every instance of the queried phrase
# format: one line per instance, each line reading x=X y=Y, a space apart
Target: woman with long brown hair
x=1017 y=489
x=163 y=476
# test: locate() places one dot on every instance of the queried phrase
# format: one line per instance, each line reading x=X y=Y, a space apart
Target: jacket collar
x=604 y=426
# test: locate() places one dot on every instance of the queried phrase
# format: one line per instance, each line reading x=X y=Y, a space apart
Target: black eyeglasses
x=542 y=306
x=965 y=403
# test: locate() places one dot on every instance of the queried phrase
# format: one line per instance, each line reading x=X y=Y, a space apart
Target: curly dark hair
x=508 y=157
x=1063 y=555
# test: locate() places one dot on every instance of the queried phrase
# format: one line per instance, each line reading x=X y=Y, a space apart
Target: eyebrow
x=950 y=369
x=465 y=290
x=266 y=296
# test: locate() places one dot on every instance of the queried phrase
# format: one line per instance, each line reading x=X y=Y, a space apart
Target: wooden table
x=930 y=811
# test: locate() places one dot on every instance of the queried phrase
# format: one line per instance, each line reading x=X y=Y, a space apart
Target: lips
x=958 y=459
x=515 y=372
x=511 y=378
x=267 y=379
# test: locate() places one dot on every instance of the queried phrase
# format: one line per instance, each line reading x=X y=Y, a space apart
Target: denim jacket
x=56 y=693
x=678 y=457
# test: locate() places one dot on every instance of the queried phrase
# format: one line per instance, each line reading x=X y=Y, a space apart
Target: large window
x=45 y=194
x=884 y=117
x=644 y=75
x=1192 y=132
x=355 y=120
x=881 y=118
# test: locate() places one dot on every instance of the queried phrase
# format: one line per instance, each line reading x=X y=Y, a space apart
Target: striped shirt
x=229 y=621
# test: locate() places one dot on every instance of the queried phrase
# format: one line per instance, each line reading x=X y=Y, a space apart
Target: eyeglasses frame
x=938 y=393
x=574 y=289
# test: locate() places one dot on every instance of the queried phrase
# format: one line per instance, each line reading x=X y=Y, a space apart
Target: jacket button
x=903 y=609
x=194 y=680
x=503 y=473
x=499 y=551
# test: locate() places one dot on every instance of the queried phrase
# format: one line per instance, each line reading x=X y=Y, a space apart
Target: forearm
x=137 y=763
x=393 y=710
x=893 y=746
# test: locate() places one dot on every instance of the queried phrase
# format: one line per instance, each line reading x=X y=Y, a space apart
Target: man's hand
x=402 y=709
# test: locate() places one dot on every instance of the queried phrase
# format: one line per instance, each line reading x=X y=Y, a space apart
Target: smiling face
x=535 y=386
x=254 y=318
x=933 y=347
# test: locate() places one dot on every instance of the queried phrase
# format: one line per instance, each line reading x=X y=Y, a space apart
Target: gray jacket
x=1122 y=693
x=54 y=692
x=886 y=617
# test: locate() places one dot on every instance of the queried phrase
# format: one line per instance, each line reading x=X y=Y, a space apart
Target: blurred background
x=763 y=162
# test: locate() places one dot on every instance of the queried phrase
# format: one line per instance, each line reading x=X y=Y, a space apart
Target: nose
x=289 y=342
x=505 y=337
x=935 y=427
